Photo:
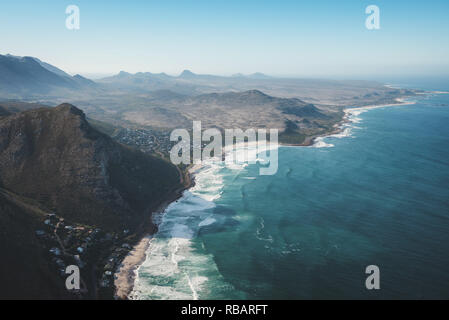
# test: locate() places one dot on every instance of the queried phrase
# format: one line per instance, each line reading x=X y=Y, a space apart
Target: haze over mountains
x=156 y=100
x=34 y=78
x=22 y=77
x=62 y=181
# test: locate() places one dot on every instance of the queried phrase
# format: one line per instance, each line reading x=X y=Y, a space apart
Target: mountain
x=187 y=83
x=45 y=65
x=256 y=76
x=259 y=75
x=52 y=68
x=234 y=99
x=79 y=79
x=123 y=75
x=20 y=74
x=32 y=79
x=54 y=154
x=252 y=98
x=244 y=110
x=25 y=270
x=301 y=110
x=187 y=74
x=141 y=81
x=56 y=170
x=27 y=76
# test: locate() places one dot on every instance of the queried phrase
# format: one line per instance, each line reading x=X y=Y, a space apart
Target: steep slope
x=19 y=74
x=28 y=76
x=187 y=74
x=52 y=68
x=25 y=271
x=69 y=194
x=55 y=156
x=82 y=81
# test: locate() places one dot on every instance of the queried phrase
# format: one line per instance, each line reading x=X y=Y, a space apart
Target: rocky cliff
x=55 y=156
x=70 y=195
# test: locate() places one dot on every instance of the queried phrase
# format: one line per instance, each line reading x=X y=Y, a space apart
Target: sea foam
x=175 y=266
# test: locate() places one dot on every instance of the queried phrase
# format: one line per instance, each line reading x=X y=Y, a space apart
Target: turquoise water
x=377 y=195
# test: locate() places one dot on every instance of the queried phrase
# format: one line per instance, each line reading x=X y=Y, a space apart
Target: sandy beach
x=124 y=278
x=125 y=274
x=400 y=102
x=127 y=271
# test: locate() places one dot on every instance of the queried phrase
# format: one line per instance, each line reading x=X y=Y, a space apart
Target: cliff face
x=57 y=171
x=54 y=156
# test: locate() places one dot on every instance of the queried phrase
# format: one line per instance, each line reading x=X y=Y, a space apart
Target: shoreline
x=339 y=127
x=126 y=273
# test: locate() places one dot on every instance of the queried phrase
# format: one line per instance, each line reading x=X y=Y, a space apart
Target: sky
x=318 y=38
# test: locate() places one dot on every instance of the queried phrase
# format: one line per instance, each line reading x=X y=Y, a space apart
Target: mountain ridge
x=24 y=76
x=55 y=151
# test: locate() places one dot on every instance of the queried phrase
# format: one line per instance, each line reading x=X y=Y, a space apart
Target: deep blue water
x=377 y=197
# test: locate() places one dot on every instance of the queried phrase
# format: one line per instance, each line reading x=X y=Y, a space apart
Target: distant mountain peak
x=259 y=75
x=12 y=56
x=70 y=108
x=123 y=74
x=187 y=74
x=83 y=80
x=43 y=64
x=67 y=106
x=255 y=92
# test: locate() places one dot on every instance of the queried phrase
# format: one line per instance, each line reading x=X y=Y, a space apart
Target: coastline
x=339 y=127
x=126 y=273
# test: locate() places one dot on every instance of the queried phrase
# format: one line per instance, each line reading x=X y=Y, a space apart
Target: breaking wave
x=177 y=265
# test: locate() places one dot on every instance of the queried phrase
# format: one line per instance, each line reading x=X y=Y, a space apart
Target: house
x=55 y=251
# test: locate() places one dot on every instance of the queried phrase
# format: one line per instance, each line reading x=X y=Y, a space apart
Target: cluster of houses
x=140 y=138
x=144 y=140
x=69 y=244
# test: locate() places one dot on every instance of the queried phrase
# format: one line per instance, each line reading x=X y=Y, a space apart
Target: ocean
x=377 y=194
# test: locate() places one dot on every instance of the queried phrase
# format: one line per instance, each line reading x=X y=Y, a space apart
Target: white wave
x=259 y=232
x=195 y=283
x=207 y=222
x=174 y=267
x=208 y=181
x=343 y=134
x=352 y=118
x=319 y=143
x=239 y=155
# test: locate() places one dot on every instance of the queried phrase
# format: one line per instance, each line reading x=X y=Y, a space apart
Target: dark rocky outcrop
x=54 y=164
x=55 y=156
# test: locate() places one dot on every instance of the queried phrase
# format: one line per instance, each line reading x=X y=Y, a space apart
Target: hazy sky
x=300 y=38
